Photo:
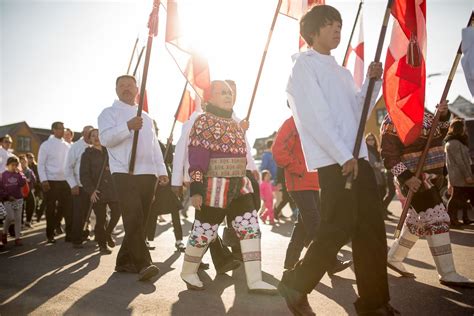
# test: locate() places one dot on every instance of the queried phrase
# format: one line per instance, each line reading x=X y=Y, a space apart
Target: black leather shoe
x=51 y=241
x=297 y=302
x=229 y=266
x=339 y=266
x=147 y=273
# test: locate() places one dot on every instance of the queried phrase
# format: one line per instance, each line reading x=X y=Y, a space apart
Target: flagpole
x=254 y=93
x=133 y=54
x=370 y=90
x=421 y=162
x=138 y=61
x=153 y=31
x=168 y=142
x=346 y=55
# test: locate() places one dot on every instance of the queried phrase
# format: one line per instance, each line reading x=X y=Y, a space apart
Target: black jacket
x=92 y=161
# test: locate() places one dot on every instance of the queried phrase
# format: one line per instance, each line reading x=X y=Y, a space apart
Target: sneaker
x=147 y=273
x=105 y=250
x=18 y=242
x=51 y=241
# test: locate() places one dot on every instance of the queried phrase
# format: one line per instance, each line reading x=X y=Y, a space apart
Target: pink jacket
x=266 y=191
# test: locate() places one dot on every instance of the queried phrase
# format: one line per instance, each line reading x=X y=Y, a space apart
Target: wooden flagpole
x=254 y=93
x=370 y=90
x=138 y=61
x=346 y=55
x=153 y=31
x=421 y=162
x=133 y=54
x=169 y=140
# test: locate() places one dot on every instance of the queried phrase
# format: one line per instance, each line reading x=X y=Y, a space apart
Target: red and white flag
x=295 y=9
x=193 y=66
x=405 y=73
x=355 y=55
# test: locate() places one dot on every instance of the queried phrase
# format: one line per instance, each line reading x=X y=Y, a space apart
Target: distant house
x=461 y=107
x=27 y=139
x=259 y=145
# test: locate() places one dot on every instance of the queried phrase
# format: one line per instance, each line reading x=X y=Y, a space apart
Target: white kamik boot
x=253 y=268
x=440 y=246
x=192 y=260
x=399 y=251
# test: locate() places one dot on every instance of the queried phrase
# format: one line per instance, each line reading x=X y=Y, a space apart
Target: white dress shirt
x=327 y=107
x=4 y=155
x=117 y=138
x=180 y=160
x=52 y=158
x=73 y=163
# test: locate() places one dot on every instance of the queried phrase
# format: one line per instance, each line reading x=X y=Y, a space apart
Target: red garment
x=288 y=154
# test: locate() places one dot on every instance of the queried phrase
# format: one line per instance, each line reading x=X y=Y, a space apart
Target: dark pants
x=60 y=193
x=305 y=227
x=285 y=199
x=390 y=191
x=135 y=194
x=347 y=214
x=177 y=229
x=220 y=254
x=30 y=206
x=459 y=200
x=80 y=206
x=100 y=230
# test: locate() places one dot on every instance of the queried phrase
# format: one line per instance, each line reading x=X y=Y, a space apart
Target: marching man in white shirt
x=327 y=107
x=117 y=125
x=51 y=161
x=80 y=199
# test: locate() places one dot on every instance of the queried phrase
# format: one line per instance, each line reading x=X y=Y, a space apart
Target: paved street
x=42 y=279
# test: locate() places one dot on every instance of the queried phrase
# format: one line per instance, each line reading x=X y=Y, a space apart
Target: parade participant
x=427 y=215
x=117 y=125
x=80 y=198
x=51 y=160
x=266 y=193
x=303 y=188
x=39 y=197
x=327 y=107
x=29 y=201
x=95 y=167
x=11 y=183
x=458 y=163
x=217 y=163
x=68 y=136
x=5 y=144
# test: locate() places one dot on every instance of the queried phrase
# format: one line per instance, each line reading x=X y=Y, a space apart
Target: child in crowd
x=266 y=193
x=10 y=193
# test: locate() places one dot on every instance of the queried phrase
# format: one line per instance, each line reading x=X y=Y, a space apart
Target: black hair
x=316 y=18
x=269 y=143
x=13 y=159
x=125 y=76
x=55 y=125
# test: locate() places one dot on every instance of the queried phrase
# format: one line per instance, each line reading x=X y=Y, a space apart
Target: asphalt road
x=42 y=279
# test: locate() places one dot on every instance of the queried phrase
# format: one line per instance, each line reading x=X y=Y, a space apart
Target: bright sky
x=59 y=59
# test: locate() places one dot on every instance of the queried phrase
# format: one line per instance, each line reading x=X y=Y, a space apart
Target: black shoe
x=339 y=266
x=128 y=268
x=204 y=266
x=105 y=250
x=110 y=241
x=297 y=302
x=51 y=241
x=229 y=266
x=148 y=272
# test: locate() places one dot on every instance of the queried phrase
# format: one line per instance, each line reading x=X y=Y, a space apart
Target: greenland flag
x=355 y=56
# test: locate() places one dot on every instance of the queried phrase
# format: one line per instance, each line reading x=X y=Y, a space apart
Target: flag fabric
x=194 y=67
x=467 y=60
x=405 y=73
x=145 y=101
x=153 y=19
x=355 y=55
x=295 y=9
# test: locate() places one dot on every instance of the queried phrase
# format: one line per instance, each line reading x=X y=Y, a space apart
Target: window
x=380 y=116
x=23 y=143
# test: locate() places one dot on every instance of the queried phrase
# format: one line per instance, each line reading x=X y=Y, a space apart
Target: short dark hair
x=55 y=125
x=316 y=18
x=12 y=159
x=125 y=76
x=269 y=143
x=456 y=127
